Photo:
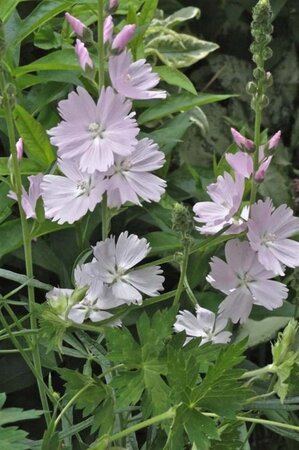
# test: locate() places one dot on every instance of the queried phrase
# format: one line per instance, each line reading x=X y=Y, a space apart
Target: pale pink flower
x=205 y=325
x=68 y=198
x=241 y=162
x=95 y=132
x=268 y=233
x=108 y=29
x=227 y=195
x=242 y=141
x=245 y=281
x=133 y=79
x=112 y=265
x=76 y=24
x=130 y=179
x=19 y=148
x=123 y=37
x=29 y=200
x=83 y=55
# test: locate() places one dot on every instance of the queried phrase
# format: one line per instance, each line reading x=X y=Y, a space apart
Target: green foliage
x=11 y=437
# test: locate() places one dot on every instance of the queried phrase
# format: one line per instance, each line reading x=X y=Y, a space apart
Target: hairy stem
x=183 y=265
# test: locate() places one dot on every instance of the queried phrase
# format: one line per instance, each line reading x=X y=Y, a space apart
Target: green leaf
x=46 y=38
x=200 y=429
x=178 y=50
x=37 y=145
x=262 y=330
x=180 y=16
x=175 y=77
x=27 y=167
x=58 y=60
x=7 y=7
x=161 y=241
x=177 y=103
x=221 y=391
x=10 y=236
x=43 y=12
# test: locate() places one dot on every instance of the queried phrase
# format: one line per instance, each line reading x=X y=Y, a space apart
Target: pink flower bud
x=108 y=29
x=83 y=55
x=123 y=37
x=274 y=141
x=19 y=148
x=76 y=24
x=113 y=5
x=261 y=172
x=242 y=141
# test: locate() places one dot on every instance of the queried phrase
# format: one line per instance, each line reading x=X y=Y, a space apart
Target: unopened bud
x=261 y=172
x=76 y=24
x=182 y=219
x=83 y=55
x=19 y=148
x=274 y=141
x=123 y=37
x=113 y=5
x=242 y=141
x=108 y=29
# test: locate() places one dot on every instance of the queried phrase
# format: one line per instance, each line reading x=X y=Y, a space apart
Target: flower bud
x=261 y=172
x=76 y=24
x=123 y=37
x=83 y=55
x=113 y=5
x=182 y=220
x=108 y=29
x=241 y=141
x=19 y=148
x=274 y=141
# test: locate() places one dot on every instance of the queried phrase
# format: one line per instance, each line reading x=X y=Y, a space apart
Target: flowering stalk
x=261 y=29
x=101 y=54
x=7 y=106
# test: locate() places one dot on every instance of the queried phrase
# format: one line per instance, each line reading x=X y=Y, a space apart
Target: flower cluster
x=262 y=253
x=110 y=280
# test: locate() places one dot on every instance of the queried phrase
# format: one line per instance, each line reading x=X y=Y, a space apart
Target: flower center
x=245 y=279
x=96 y=130
x=123 y=166
x=268 y=238
x=84 y=187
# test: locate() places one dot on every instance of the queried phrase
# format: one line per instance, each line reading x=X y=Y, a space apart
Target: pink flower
x=242 y=141
x=95 y=132
x=112 y=266
x=29 y=199
x=130 y=177
x=133 y=79
x=261 y=172
x=241 y=162
x=268 y=230
x=227 y=195
x=68 y=198
x=83 y=55
x=245 y=281
x=76 y=24
x=123 y=37
x=19 y=148
x=205 y=325
x=108 y=29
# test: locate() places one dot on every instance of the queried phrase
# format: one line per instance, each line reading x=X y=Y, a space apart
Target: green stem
x=146 y=423
x=184 y=266
x=257 y=141
x=190 y=292
x=69 y=404
x=258 y=372
x=101 y=53
x=26 y=240
x=105 y=218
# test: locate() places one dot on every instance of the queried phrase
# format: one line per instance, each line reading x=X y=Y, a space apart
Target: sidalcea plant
x=176 y=374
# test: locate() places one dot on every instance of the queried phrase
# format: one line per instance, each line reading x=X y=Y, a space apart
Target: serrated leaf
x=37 y=145
x=175 y=77
x=200 y=429
x=46 y=38
x=177 y=103
x=221 y=391
x=179 y=50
